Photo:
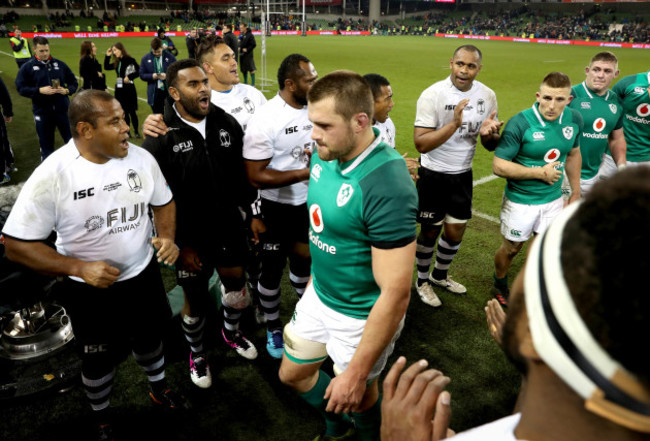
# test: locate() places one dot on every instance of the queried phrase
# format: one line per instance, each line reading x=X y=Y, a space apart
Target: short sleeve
x=511 y=138
x=390 y=205
x=258 y=140
x=33 y=216
x=426 y=115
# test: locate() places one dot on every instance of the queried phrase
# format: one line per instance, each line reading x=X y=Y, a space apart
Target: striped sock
x=447 y=249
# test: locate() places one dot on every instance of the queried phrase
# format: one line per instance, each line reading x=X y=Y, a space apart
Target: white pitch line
x=481 y=181
x=484 y=180
x=486 y=217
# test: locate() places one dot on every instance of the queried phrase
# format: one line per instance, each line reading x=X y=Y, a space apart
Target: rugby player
x=362 y=228
x=602 y=114
x=537 y=145
x=277 y=148
x=451 y=115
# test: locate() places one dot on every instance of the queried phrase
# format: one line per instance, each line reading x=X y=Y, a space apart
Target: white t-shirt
x=435 y=108
x=499 y=430
x=242 y=101
x=387 y=129
x=99 y=211
x=280 y=133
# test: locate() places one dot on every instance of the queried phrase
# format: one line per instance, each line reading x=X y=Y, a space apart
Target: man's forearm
x=381 y=325
x=42 y=258
x=429 y=139
x=165 y=220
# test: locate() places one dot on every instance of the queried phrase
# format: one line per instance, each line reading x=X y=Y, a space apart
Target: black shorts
x=443 y=194
x=114 y=318
x=286 y=225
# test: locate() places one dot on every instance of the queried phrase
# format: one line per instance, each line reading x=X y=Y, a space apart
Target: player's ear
x=173 y=92
x=616 y=73
x=85 y=130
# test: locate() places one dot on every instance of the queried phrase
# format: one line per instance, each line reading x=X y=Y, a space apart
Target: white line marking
x=486 y=217
x=484 y=180
x=481 y=181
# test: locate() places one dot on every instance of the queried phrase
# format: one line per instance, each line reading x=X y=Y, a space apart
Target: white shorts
x=520 y=221
x=585 y=186
x=339 y=335
x=607 y=168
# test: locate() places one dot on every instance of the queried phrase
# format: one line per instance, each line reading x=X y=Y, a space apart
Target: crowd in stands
x=586 y=24
x=583 y=25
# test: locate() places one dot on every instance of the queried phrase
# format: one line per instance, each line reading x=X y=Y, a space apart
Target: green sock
x=368 y=422
x=245 y=78
x=336 y=425
x=253 y=79
x=500 y=283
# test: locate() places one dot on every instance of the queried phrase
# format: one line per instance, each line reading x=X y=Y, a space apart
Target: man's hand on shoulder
x=154 y=125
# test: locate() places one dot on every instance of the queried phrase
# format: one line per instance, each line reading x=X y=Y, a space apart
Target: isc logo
x=84 y=193
x=290 y=130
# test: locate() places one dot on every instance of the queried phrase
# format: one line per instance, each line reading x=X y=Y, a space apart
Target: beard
x=326 y=154
x=192 y=106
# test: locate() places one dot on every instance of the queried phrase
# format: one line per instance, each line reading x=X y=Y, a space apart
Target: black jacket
x=88 y=69
x=207 y=176
x=232 y=42
x=35 y=74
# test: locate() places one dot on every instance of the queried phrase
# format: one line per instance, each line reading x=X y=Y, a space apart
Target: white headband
x=564 y=342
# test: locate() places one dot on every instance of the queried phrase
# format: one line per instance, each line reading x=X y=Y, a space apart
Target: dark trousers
x=46 y=124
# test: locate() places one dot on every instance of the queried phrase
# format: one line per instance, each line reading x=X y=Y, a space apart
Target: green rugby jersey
x=367 y=202
x=633 y=92
x=532 y=141
x=601 y=115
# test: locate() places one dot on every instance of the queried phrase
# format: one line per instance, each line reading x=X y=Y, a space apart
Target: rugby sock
x=269 y=302
x=299 y=283
x=447 y=249
x=231 y=318
x=98 y=388
x=153 y=363
x=245 y=78
x=193 y=330
x=368 y=422
x=500 y=284
x=335 y=424
x=253 y=79
x=423 y=258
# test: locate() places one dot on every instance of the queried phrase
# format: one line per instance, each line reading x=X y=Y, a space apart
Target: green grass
x=247 y=401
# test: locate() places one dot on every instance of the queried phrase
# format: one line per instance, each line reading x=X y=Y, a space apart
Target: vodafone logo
x=316 y=218
x=552 y=156
x=643 y=110
x=599 y=125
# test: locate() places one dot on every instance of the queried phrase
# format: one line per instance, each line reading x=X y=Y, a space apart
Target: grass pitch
x=247 y=402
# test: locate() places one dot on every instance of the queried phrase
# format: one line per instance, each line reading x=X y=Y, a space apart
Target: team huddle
x=227 y=181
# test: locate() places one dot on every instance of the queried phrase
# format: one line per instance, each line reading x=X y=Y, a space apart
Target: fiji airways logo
x=643 y=110
x=552 y=156
x=599 y=125
x=538 y=136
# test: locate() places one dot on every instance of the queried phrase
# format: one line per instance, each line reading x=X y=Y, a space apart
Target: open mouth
x=204 y=102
